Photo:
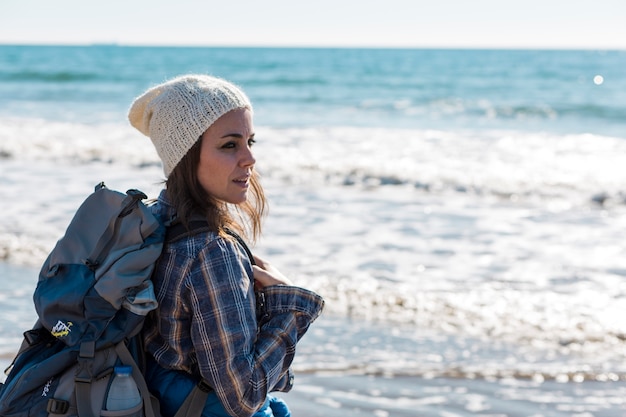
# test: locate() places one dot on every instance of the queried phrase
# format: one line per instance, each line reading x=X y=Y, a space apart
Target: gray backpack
x=93 y=294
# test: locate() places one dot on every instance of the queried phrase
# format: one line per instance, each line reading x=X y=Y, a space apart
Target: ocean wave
x=426 y=353
x=513 y=194
x=22 y=250
x=609 y=112
x=464 y=372
x=49 y=77
x=459 y=111
x=507 y=165
x=287 y=81
x=525 y=319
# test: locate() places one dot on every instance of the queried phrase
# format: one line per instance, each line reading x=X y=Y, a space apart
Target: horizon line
x=313 y=46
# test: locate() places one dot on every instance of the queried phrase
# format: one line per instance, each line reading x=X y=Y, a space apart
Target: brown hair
x=189 y=198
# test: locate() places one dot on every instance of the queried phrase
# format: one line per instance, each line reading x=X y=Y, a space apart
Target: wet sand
x=352 y=367
x=360 y=396
x=345 y=394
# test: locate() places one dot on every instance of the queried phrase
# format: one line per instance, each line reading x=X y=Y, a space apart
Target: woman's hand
x=265 y=274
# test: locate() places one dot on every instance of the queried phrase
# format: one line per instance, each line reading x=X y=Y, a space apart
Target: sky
x=588 y=24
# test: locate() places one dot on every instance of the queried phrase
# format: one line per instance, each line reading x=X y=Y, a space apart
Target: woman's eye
x=234 y=144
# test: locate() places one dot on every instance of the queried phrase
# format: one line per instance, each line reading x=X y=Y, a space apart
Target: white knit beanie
x=176 y=113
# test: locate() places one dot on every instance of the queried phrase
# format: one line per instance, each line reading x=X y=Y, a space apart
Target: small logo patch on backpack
x=46 y=388
x=61 y=329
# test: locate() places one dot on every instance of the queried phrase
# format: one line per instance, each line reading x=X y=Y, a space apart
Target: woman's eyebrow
x=236 y=135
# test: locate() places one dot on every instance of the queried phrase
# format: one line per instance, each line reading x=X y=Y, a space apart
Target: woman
x=210 y=324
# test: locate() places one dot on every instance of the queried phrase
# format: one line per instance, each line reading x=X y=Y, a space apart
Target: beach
x=328 y=395
x=356 y=367
x=353 y=368
x=461 y=211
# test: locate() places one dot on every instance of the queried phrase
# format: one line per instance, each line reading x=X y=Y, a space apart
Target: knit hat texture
x=176 y=113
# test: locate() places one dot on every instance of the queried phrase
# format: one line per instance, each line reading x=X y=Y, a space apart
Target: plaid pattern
x=211 y=324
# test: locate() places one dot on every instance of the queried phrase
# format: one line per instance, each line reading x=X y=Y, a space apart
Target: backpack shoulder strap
x=195 y=401
x=243 y=244
x=178 y=231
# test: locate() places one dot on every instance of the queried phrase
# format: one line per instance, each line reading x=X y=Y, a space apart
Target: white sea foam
x=500 y=237
x=512 y=164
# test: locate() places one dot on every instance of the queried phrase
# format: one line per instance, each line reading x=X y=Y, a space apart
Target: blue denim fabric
x=172 y=388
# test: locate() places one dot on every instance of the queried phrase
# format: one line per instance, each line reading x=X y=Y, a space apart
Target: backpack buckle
x=204 y=387
x=57 y=406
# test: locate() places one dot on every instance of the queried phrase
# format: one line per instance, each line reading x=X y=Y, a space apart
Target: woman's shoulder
x=197 y=241
x=207 y=255
x=191 y=240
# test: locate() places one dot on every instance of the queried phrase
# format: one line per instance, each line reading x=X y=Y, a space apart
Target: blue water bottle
x=123 y=392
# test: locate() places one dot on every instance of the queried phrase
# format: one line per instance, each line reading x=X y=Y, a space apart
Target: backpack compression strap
x=127 y=358
x=83 y=382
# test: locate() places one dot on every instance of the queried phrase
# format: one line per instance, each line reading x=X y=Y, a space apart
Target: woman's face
x=226 y=159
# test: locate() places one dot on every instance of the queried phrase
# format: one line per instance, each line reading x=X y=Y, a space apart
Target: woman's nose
x=247 y=159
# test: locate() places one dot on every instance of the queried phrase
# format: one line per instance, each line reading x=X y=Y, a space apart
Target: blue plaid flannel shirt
x=211 y=324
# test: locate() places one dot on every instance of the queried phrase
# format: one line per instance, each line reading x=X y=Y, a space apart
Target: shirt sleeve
x=241 y=357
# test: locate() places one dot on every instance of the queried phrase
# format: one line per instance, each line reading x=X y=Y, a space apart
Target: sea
x=461 y=211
